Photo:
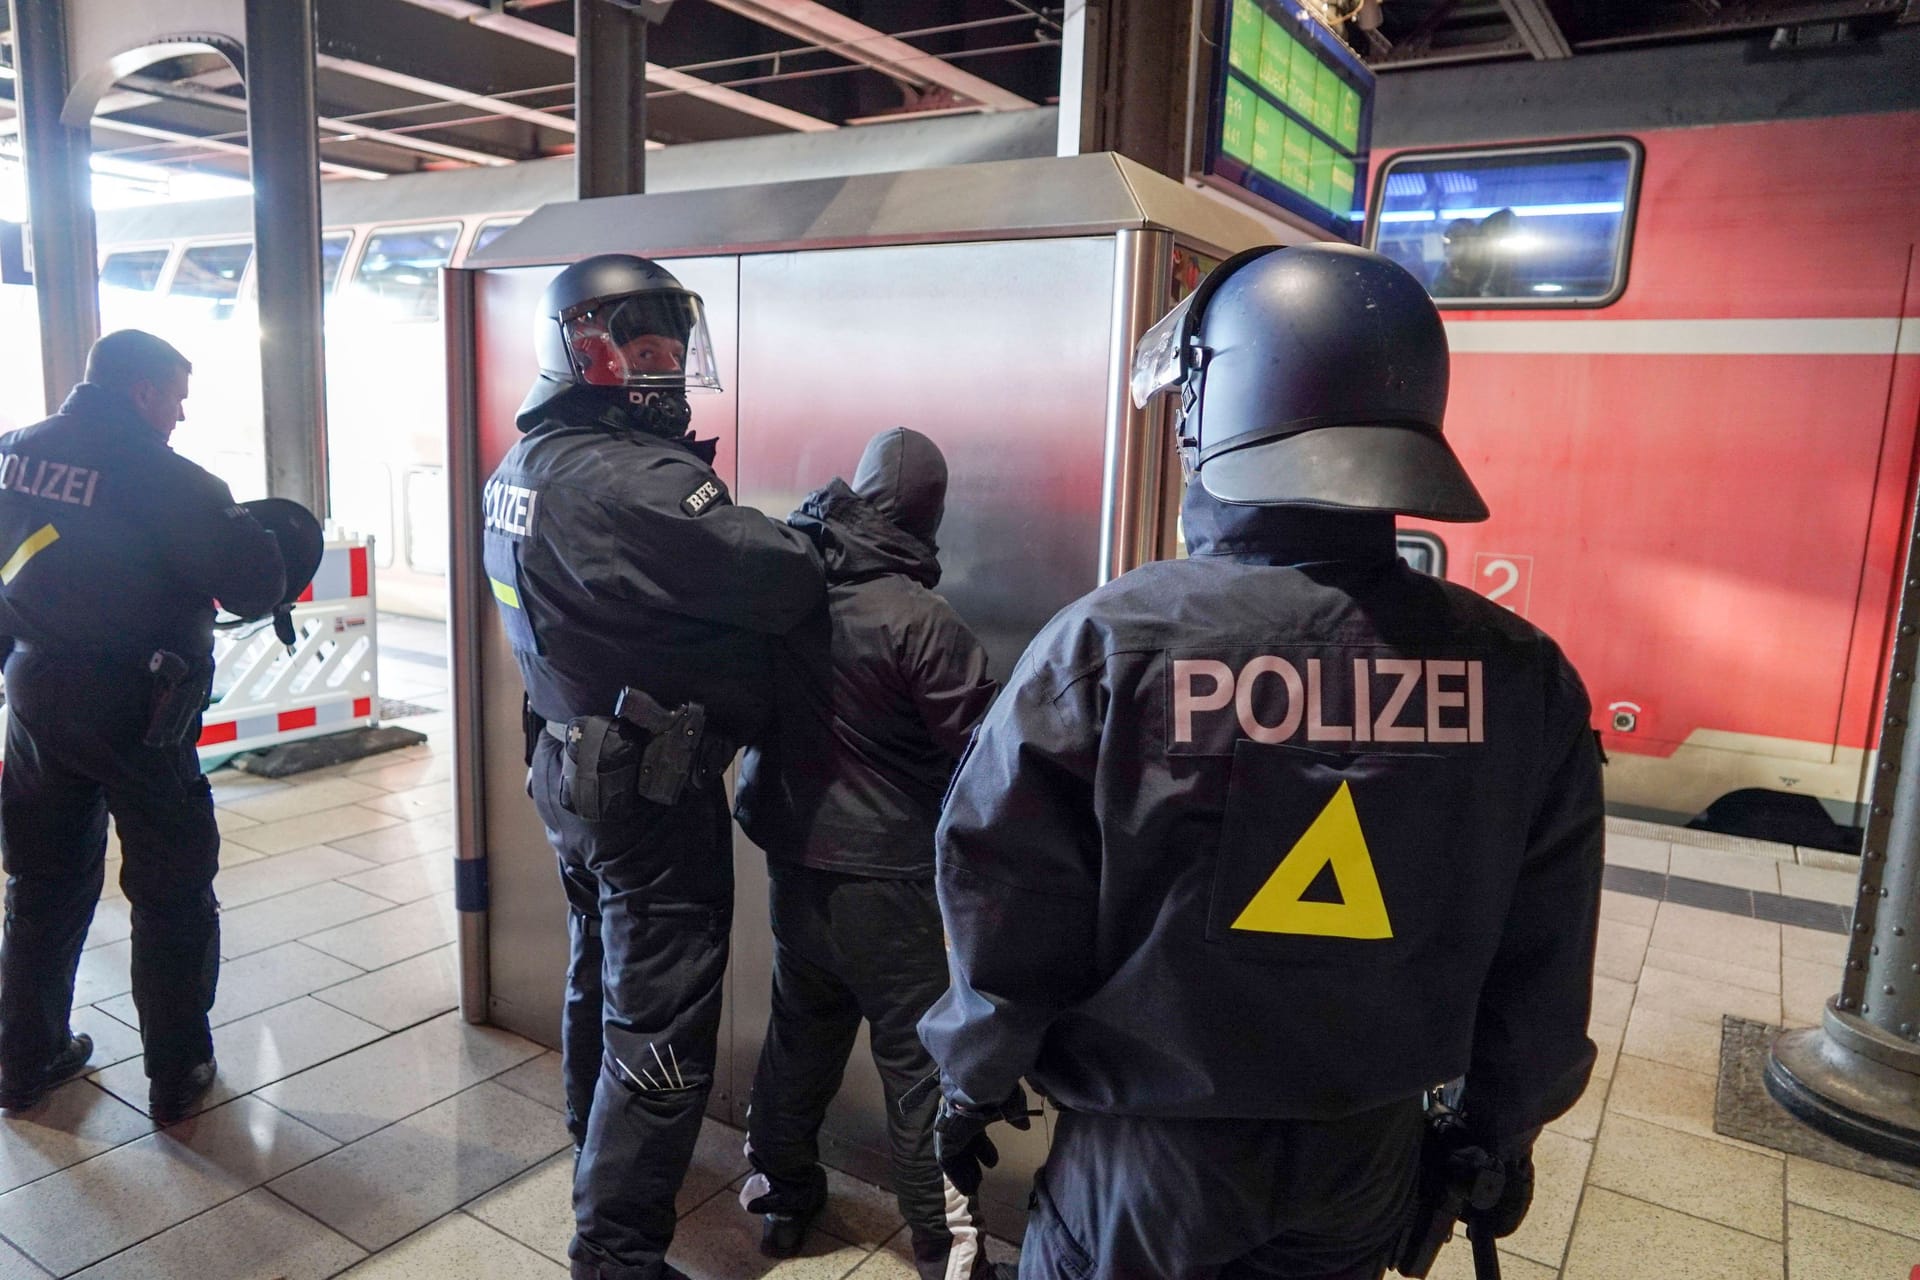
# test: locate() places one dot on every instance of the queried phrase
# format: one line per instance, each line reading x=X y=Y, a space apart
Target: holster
x=641 y=752
x=1456 y=1180
x=180 y=692
x=598 y=768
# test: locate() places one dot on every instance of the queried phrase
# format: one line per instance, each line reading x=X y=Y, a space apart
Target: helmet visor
x=1158 y=358
x=656 y=339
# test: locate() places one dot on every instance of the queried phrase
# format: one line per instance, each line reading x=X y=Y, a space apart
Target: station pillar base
x=1851 y=1081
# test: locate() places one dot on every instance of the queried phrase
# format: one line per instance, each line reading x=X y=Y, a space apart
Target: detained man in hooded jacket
x=879 y=692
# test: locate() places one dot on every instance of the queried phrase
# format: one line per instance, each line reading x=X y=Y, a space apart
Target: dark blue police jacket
x=618 y=558
x=1285 y=829
x=112 y=544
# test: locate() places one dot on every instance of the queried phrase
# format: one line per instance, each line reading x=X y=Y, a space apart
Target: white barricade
x=263 y=697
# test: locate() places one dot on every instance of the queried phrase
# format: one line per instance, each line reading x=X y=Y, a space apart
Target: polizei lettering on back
x=1326 y=698
x=510 y=509
x=55 y=481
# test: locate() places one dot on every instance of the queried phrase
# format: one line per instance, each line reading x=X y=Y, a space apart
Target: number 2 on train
x=1505 y=579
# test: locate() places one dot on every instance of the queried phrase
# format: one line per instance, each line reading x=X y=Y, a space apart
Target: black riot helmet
x=628 y=329
x=1311 y=376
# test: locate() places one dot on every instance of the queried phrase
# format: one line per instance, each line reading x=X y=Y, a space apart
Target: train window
x=136 y=270
x=333 y=252
x=1530 y=226
x=426 y=518
x=399 y=271
x=489 y=232
x=211 y=274
x=1422 y=551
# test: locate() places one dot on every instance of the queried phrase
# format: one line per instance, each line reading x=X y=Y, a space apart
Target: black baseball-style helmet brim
x=301 y=541
x=1360 y=468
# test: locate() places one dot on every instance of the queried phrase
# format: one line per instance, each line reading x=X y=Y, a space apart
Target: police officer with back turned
x=113 y=550
x=641 y=604
x=1261 y=845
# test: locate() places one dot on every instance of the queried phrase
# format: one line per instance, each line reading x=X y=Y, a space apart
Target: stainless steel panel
x=1000 y=352
x=1137 y=439
x=527 y=919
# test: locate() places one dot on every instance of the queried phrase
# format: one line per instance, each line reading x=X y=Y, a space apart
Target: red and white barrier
x=263 y=697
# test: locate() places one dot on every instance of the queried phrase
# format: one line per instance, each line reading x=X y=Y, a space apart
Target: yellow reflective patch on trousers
x=36 y=542
x=505 y=594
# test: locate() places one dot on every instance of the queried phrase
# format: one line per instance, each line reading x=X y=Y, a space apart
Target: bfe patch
x=707 y=495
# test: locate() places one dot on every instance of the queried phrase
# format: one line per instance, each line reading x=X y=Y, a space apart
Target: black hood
x=904 y=475
x=1283 y=535
x=857 y=541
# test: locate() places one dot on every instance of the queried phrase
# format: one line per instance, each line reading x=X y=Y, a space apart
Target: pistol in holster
x=180 y=691
x=641 y=752
x=1457 y=1181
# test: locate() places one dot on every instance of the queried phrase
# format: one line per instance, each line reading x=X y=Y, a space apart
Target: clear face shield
x=646 y=341
x=1160 y=357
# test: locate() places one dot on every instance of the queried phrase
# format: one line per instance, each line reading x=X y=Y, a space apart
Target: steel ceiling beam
x=1749 y=17
x=1534 y=23
x=479 y=15
x=220 y=146
x=445 y=93
x=854 y=40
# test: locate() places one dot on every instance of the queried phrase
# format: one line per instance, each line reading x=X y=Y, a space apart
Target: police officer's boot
x=171 y=1100
x=68 y=1063
x=787 y=1209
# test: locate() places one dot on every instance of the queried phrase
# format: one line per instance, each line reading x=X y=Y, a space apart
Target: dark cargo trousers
x=73 y=756
x=1146 y=1198
x=651 y=899
x=848 y=947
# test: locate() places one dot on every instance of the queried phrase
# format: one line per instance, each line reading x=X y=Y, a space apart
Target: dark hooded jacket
x=114 y=544
x=878 y=691
x=618 y=558
x=1282 y=830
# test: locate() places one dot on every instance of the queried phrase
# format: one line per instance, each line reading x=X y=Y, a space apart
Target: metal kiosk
x=993 y=306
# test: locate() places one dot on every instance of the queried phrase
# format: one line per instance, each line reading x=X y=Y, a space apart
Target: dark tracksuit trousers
x=848 y=947
x=651 y=902
x=74 y=756
x=1157 y=1198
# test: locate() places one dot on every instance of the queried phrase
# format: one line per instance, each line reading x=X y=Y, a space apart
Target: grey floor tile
x=395 y=1181
x=458 y=1246
x=95 y=1209
x=113 y=1040
x=324 y=827
x=259 y=1049
x=73 y=1123
x=112 y=922
x=259 y=981
x=536 y=1208
x=270 y=877
x=290 y=916
x=257 y=1236
x=418 y=802
x=301 y=798
x=1620 y=1238
x=1739 y=1188
x=402 y=994
x=1823 y=1247
x=403 y=840
x=1847 y=1194
x=409 y=880
x=231 y=784
x=720 y=1242
x=353 y=1095
x=375 y=942
x=405 y=775
x=719 y=1160
x=104 y=972
x=15 y=1265
x=539 y=1079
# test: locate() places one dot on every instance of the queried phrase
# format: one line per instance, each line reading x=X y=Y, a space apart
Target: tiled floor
x=361 y=1129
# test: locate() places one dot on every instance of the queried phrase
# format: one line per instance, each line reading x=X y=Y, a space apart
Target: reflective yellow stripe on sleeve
x=505 y=594
x=36 y=542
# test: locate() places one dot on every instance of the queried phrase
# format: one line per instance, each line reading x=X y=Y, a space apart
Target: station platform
x=360 y=1128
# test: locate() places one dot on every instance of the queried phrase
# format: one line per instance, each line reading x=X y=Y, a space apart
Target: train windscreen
x=1539 y=227
x=209 y=275
x=399 y=272
x=333 y=252
x=136 y=270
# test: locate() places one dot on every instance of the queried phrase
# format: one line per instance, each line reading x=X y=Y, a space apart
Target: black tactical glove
x=960 y=1141
x=1516 y=1197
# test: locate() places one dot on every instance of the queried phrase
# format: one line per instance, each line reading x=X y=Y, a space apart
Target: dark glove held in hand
x=960 y=1141
x=1510 y=1210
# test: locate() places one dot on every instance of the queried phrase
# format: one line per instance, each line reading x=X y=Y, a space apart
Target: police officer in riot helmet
x=641 y=604
x=113 y=552
x=1261 y=845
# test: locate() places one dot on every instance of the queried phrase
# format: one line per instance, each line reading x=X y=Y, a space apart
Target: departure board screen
x=1292 y=115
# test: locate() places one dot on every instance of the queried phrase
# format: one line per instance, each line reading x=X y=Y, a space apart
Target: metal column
x=59 y=197
x=610 y=99
x=1856 y=1078
x=285 y=156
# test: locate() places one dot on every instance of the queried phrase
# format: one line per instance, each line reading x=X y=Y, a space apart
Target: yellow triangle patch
x=1334 y=840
